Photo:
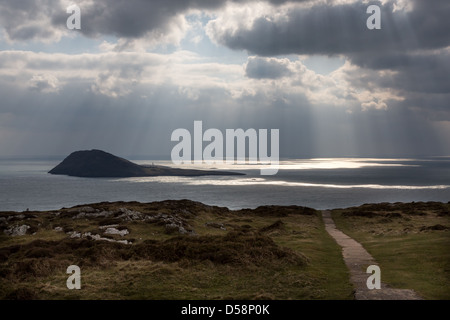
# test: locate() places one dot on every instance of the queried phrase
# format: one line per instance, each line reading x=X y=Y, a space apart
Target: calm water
x=317 y=183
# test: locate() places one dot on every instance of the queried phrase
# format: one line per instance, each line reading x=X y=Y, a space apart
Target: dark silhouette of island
x=100 y=164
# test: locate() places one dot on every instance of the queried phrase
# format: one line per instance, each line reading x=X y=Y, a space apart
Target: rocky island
x=101 y=164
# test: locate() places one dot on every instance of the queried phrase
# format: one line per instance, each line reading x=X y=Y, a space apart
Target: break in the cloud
x=236 y=64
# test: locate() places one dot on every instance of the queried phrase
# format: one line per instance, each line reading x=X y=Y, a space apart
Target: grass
x=271 y=252
x=409 y=241
x=266 y=253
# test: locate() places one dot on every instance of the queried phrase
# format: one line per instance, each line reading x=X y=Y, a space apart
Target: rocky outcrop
x=122 y=213
x=96 y=237
x=173 y=223
x=17 y=230
x=121 y=233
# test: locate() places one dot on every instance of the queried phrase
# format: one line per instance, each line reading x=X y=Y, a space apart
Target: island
x=101 y=164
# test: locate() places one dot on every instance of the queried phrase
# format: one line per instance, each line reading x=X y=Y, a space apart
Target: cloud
x=335 y=29
x=423 y=71
x=404 y=65
x=304 y=106
x=267 y=68
x=153 y=20
x=380 y=105
x=45 y=20
x=390 y=96
x=409 y=54
x=31 y=20
x=115 y=74
x=45 y=83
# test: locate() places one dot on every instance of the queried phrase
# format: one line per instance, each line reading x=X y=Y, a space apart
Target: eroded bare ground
x=357 y=260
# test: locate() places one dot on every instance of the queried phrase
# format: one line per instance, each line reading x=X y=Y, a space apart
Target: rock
x=79 y=216
x=75 y=234
x=16 y=217
x=172 y=228
x=103 y=214
x=116 y=231
x=108 y=226
x=82 y=209
x=216 y=225
x=129 y=215
x=97 y=237
x=123 y=213
x=172 y=223
x=92 y=236
x=58 y=229
x=17 y=230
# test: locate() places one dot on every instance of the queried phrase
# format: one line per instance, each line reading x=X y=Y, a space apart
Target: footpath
x=357 y=260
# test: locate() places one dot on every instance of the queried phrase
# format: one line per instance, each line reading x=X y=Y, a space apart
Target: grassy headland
x=188 y=250
x=173 y=250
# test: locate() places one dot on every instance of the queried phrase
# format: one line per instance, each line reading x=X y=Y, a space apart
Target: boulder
x=117 y=231
x=17 y=230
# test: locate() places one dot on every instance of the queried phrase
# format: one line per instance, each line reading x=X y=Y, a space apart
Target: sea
x=321 y=183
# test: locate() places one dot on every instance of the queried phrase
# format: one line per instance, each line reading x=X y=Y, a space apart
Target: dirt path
x=357 y=260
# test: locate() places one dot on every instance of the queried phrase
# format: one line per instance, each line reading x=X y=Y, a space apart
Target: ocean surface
x=317 y=183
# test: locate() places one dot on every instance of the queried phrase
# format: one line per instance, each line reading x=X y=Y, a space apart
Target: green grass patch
x=410 y=242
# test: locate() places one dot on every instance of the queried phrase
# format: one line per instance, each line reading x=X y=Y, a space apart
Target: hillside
x=170 y=250
x=183 y=250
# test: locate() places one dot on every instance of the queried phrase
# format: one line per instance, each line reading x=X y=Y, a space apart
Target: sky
x=139 y=69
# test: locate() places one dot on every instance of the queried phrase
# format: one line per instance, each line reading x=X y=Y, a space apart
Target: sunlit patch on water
x=231 y=181
x=298 y=164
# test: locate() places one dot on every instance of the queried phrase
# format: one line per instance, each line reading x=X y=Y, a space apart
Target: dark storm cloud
x=321 y=29
x=46 y=19
x=407 y=55
x=424 y=72
x=134 y=18
x=341 y=29
x=262 y=68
